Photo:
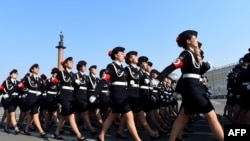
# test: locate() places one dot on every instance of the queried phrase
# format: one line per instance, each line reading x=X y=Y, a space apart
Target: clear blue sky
x=30 y=30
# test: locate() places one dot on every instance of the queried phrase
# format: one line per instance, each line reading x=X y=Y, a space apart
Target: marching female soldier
x=81 y=94
x=67 y=83
x=194 y=101
x=134 y=96
x=148 y=101
x=43 y=106
x=94 y=107
x=35 y=88
x=52 y=89
x=23 y=103
x=5 y=111
x=11 y=97
x=116 y=74
x=154 y=94
x=166 y=94
x=105 y=100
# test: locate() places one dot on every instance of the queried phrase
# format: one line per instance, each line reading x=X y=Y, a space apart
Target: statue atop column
x=61 y=39
x=60 y=48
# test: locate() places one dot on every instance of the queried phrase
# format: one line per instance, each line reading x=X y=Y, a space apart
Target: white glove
x=5 y=96
x=24 y=95
x=146 y=81
x=154 y=82
x=92 y=99
x=44 y=94
x=248 y=87
x=77 y=81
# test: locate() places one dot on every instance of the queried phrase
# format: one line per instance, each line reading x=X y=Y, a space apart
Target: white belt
x=167 y=93
x=83 y=88
x=35 y=92
x=144 y=87
x=67 y=88
x=155 y=91
x=104 y=91
x=50 y=92
x=191 y=75
x=119 y=83
x=14 y=93
x=135 y=85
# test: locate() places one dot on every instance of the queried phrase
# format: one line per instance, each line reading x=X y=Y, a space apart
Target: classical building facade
x=217 y=78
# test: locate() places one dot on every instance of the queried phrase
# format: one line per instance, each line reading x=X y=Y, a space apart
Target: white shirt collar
x=118 y=63
x=134 y=65
x=92 y=75
x=143 y=70
x=82 y=73
x=191 y=49
x=68 y=70
x=35 y=76
x=13 y=80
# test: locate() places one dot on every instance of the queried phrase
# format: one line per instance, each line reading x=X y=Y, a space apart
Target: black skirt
x=194 y=99
x=119 y=96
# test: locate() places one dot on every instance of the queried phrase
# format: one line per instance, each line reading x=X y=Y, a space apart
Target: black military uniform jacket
x=11 y=88
x=81 y=90
x=67 y=84
x=117 y=74
x=166 y=92
x=93 y=81
x=133 y=81
x=52 y=90
x=34 y=85
x=144 y=83
x=66 y=78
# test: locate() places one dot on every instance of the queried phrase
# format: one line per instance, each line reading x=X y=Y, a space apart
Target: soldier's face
x=168 y=81
x=120 y=56
x=149 y=68
x=93 y=71
x=144 y=65
x=154 y=75
x=83 y=68
x=192 y=42
x=134 y=59
x=69 y=64
x=14 y=75
x=54 y=74
x=35 y=70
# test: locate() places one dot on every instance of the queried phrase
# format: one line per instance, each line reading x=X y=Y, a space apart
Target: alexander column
x=60 y=51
